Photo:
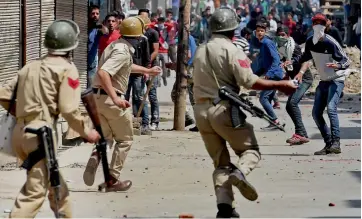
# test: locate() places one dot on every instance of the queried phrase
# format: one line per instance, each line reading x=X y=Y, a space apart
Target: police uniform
x=221 y=63
x=116 y=123
x=52 y=82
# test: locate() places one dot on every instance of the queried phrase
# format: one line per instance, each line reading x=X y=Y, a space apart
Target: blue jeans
x=327 y=94
x=137 y=85
x=90 y=76
x=266 y=97
x=155 y=109
x=293 y=108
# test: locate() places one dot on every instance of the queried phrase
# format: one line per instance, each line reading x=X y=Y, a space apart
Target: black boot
x=194 y=129
x=235 y=214
x=335 y=147
x=225 y=211
x=189 y=121
x=325 y=150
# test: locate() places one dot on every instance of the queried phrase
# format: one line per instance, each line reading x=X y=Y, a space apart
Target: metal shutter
x=77 y=10
x=10 y=40
x=81 y=53
x=64 y=9
x=32 y=30
x=46 y=18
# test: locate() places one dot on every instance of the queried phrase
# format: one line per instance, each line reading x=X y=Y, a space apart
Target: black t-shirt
x=252 y=24
x=141 y=56
x=153 y=37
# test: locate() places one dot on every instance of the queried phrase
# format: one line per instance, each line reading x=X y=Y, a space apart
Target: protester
x=291 y=53
x=112 y=34
x=273 y=23
x=269 y=65
x=330 y=87
x=242 y=42
x=333 y=31
x=290 y=23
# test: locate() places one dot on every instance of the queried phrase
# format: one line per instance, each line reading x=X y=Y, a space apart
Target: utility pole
x=181 y=73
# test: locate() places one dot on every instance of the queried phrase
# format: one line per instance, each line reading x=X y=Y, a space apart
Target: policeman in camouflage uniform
x=109 y=86
x=220 y=63
x=49 y=87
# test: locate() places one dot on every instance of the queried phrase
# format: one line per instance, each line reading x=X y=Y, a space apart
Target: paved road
x=172 y=171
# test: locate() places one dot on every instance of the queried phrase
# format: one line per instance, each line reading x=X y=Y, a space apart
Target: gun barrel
x=31 y=130
x=91 y=107
x=228 y=94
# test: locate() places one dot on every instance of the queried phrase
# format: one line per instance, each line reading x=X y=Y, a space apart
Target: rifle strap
x=48 y=117
x=45 y=108
x=238 y=117
x=212 y=69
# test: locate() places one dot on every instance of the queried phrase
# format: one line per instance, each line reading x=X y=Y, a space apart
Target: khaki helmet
x=132 y=27
x=224 y=19
x=146 y=21
x=61 y=37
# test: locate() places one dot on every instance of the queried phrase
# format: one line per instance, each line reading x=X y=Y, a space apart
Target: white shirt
x=273 y=25
x=211 y=5
x=358 y=28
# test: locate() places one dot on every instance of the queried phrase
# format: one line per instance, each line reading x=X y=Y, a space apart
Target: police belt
x=103 y=92
x=206 y=100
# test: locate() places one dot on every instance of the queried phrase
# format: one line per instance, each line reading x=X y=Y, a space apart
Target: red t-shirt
x=171 y=31
x=107 y=39
x=162 y=40
x=291 y=26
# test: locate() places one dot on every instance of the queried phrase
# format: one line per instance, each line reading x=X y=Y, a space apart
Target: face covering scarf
x=286 y=47
x=318 y=32
x=281 y=41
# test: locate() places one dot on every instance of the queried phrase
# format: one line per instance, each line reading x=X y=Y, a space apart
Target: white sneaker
x=154 y=127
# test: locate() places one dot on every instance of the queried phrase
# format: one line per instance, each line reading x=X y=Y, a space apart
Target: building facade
x=23 y=26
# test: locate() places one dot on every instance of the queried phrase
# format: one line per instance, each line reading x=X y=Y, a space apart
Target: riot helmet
x=61 y=37
x=224 y=19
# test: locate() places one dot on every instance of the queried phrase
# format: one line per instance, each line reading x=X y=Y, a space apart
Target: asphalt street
x=172 y=173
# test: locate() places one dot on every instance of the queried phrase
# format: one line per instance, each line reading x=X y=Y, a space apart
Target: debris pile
x=353 y=82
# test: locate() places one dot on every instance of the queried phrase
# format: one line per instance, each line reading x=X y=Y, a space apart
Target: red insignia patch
x=244 y=63
x=73 y=83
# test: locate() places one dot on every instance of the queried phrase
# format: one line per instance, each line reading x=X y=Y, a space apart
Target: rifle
x=238 y=104
x=46 y=149
x=101 y=146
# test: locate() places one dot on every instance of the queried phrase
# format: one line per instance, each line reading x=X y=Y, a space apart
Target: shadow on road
x=356 y=174
x=337 y=217
x=346 y=133
x=353 y=203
